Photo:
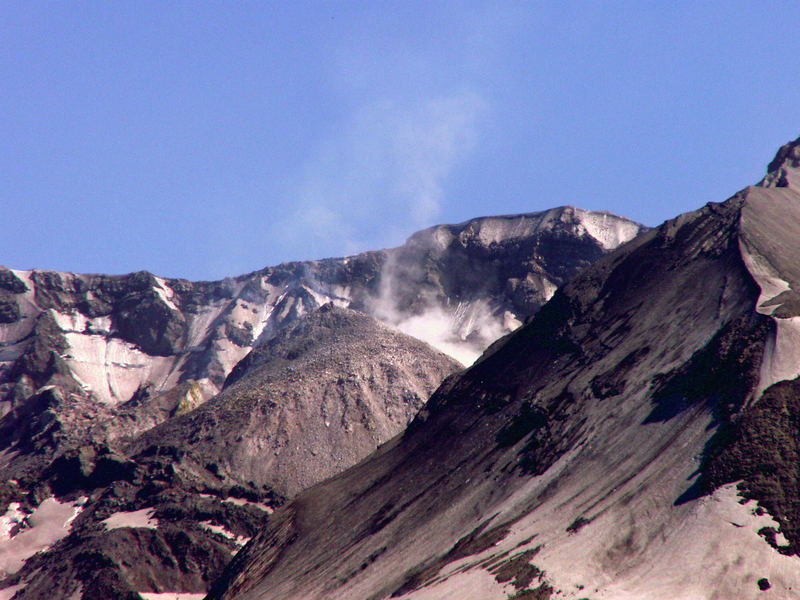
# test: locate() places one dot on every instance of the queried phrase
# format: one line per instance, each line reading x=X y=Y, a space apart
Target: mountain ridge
x=647 y=366
x=171 y=417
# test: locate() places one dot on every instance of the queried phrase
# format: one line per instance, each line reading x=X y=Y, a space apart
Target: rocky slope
x=316 y=398
x=97 y=360
x=120 y=337
x=90 y=359
x=636 y=439
x=165 y=512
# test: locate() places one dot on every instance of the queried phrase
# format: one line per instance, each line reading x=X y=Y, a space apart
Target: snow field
x=137 y=518
x=22 y=535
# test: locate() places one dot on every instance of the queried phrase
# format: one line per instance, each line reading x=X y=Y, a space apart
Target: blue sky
x=205 y=139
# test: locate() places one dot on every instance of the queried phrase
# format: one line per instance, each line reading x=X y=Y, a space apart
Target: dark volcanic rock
x=458 y=287
x=11 y=283
x=313 y=400
x=9 y=311
x=144 y=319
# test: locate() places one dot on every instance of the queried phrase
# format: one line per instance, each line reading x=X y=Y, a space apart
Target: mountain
x=110 y=344
x=167 y=511
x=637 y=438
x=97 y=359
x=319 y=396
x=148 y=426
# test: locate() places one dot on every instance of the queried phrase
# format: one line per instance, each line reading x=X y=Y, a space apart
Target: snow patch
x=23 y=535
x=172 y=595
x=474 y=583
x=609 y=231
x=718 y=537
x=73 y=322
x=242 y=502
x=239 y=540
x=766 y=277
x=229 y=354
x=165 y=292
x=200 y=324
x=644 y=547
x=782 y=354
x=8 y=593
x=494 y=230
x=14 y=517
x=781 y=360
x=113 y=369
x=319 y=297
x=99 y=325
x=142 y=518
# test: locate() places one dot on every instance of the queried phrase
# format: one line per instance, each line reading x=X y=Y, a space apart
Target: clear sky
x=206 y=139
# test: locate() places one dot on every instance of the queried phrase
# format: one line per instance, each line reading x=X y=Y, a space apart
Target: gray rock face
x=784 y=170
x=594 y=452
x=466 y=283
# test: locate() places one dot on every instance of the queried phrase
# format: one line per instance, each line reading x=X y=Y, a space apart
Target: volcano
x=636 y=438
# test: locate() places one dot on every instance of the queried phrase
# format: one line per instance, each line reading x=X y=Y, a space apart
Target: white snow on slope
x=164 y=292
x=171 y=596
x=242 y=502
x=782 y=354
x=8 y=593
x=112 y=369
x=637 y=544
x=23 y=535
x=767 y=239
x=138 y=518
x=239 y=540
x=609 y=230
x=467 y=584
x=14 y=517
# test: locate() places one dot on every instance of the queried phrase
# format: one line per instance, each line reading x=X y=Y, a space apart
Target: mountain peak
x=784 y=170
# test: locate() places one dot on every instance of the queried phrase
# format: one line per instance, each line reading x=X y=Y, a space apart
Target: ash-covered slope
x=595 y=452
x=315 y=399
x=90 y=362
